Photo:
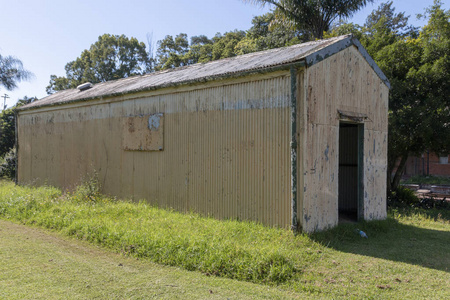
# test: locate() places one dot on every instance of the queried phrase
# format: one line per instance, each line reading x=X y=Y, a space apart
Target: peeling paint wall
x=346 y=82
x=226 y=148
x=143 y=132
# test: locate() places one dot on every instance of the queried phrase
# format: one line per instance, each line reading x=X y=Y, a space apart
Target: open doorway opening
x=351 y=141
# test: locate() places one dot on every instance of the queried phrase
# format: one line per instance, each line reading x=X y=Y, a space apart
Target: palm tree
x=313 y=17
x=12 y=72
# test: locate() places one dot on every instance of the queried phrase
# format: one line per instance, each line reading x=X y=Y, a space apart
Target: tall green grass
x=240 y=250
x=335 y=263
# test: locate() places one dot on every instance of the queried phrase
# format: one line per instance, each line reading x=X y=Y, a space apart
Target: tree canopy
x=312 y=17
x=265 y=34
x=171 y=52
x=178 y=52
x=417 y=63
x=7 y=125
x=111 y=57
x=419 y=69
x=8 y=138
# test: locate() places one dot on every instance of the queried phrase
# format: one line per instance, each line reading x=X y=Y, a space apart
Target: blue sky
x=47 y=34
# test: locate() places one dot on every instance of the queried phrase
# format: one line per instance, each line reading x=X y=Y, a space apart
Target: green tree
x=7 y=125
x=405 y=120
x=25 y=100
x=396 y=22
x=111 y=57
x=171 y=52
x=7 y=143
x=200 y=50
x=12 y=72
x=177 y=52
x=343 y=27
x=224 y=45
x=418 y=67
x=265 y=34
x=8 y=138
x=58 y=84
x=7 y=131
x=313 y=17
x=431 y=81
x=384 y=27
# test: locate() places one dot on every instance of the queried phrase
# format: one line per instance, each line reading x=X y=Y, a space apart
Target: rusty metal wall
x=344 y=81
x=225 y=148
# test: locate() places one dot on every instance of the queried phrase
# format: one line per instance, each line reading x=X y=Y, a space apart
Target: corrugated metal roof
x=310 y=53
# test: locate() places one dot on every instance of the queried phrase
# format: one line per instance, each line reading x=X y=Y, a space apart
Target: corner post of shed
x=16 y=144
x=293 y=108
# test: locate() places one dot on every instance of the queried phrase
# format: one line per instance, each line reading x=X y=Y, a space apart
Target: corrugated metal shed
x=308 y=53
x=254 y=137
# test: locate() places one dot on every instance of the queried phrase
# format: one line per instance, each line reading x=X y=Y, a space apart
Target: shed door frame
x=360 y=167
x=360 y=171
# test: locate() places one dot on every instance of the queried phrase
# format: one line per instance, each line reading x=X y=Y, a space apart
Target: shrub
x=8 y=167
x=407 y=196
x=88 y=191
x=431 y=202
x=403 y=197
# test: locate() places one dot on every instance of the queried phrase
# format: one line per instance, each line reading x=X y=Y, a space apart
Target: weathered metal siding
x=251 y=63
x=344 y=81
x=226 y=148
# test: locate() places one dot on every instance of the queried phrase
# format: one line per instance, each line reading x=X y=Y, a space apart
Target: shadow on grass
x=392 y=240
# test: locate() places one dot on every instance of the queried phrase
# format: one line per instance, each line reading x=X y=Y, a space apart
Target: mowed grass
x=430 y=179
x=406 y=256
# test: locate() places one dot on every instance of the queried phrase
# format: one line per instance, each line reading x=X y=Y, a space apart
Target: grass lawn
x=405 y=257
x=38 y=264
x=419 y=179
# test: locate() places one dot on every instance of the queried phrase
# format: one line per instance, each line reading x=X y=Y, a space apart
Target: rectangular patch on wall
x=143 y=133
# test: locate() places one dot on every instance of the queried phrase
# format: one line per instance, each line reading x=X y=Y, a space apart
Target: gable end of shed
x=334 y=48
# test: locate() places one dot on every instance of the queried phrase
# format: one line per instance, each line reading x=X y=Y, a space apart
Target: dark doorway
x=350 y=170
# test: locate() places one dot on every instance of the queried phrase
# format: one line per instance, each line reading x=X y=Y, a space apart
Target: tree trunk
x=390 y=169
x=389 y=181
x=398 y=173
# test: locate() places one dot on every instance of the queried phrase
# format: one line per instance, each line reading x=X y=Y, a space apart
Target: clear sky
x=47 y=34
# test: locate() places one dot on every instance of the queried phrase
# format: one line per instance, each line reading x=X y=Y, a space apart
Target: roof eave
x=295 y=64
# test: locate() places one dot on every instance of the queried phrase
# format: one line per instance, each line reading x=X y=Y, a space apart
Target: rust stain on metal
x=143 y=133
